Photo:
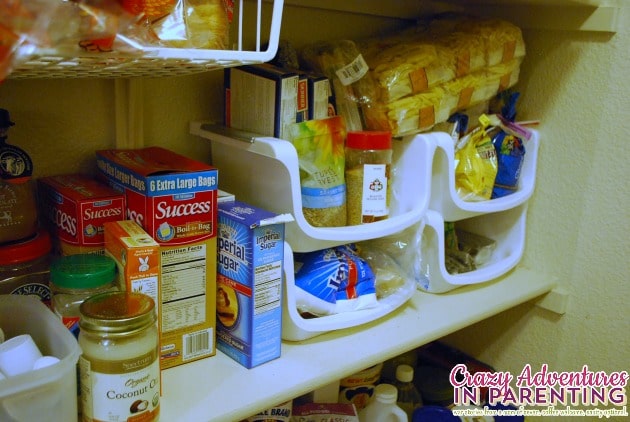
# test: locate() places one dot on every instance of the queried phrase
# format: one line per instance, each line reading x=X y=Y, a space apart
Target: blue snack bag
x=510 y=154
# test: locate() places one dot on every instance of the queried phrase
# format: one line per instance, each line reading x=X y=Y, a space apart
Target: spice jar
x=74 y=278
x=368 y=160
x=18 y=207
x=120 y=367
x=25 y=266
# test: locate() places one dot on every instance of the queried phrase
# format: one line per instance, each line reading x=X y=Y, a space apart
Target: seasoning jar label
x=374 y=190
x=125 y=390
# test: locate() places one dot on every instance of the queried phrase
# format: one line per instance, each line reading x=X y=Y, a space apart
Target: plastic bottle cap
x=82 y=271
x=26 y=250
x=386 y=393
x=369 y=140
x=404 y=373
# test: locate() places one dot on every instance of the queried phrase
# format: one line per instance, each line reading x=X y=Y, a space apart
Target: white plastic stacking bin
x=264 y=171
x=50 y=393
x=295 y=327
x=444 y=197
x=506 y=228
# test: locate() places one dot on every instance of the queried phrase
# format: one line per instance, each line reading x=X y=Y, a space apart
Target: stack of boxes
x=174 y=199
x=178 y=239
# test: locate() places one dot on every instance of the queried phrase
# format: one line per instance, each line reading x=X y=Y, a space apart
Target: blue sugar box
x=249 y=282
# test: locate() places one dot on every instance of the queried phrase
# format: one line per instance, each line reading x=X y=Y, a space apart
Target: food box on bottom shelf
x=48 y=393
x=75 y=207
x=249 y=283
x=174 y=199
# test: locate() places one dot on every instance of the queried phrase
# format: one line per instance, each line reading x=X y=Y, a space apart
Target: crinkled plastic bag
x=332 y=281
x=195 y=24
x=476 y=164
x=321 y=157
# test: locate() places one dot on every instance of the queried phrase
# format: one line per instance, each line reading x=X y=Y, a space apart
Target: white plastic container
x=383 y=408
x=501 y=219
x=48 y=393
x=265 y=172
x=295 y=327
x=444 y=197
x=506 y=228
x=271 y=180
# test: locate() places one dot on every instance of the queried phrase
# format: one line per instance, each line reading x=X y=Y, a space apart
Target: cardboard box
x=137 y=257
x=261 y=98
x=174 y=199
x=249 y=283
x=75 y=207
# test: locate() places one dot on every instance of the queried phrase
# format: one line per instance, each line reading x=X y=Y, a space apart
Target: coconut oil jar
x=120 y=367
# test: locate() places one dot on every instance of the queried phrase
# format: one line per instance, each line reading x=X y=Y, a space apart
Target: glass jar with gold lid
x=120 y=367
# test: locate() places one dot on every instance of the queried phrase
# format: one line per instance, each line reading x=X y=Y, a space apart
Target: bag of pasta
x=320 y=149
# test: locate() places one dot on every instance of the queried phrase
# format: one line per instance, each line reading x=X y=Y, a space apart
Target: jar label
x=374 y=202
x=125 y=390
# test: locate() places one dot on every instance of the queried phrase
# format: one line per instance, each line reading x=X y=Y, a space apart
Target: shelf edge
x=219 y=384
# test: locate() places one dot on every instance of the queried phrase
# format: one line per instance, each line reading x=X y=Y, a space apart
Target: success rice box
x=174 y=199
x=249 y=283
x=75 y=207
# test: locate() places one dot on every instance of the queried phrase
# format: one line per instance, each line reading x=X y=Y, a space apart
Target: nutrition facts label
x=268 y=287
x=183 y=286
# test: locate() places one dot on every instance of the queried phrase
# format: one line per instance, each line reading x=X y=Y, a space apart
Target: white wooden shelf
x=219 y=389
x=578 y=15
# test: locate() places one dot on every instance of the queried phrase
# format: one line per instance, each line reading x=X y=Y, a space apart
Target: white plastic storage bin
x=50 y=393
x=506 y=228
x=295 y=327
x=444 y=197
x=264 y=171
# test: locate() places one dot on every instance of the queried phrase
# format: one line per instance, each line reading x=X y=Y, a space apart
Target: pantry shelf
x=567 y=15
x=219 y=389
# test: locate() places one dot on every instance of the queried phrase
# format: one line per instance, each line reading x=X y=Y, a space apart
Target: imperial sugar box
x=174 y=199
x=75 y=207
x=249 y=283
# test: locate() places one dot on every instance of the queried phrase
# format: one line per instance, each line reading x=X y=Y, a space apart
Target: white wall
x=577 y=84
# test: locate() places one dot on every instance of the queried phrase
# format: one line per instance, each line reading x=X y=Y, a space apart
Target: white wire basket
x=256 y=43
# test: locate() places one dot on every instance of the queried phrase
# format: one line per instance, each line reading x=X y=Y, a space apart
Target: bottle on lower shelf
x=383 y=408
x=409 y=398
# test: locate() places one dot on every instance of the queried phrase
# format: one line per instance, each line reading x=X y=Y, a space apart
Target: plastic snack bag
x=320 y=149
x=510 y=155
x=476 y=164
